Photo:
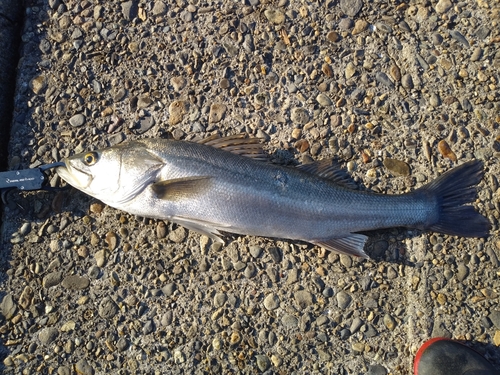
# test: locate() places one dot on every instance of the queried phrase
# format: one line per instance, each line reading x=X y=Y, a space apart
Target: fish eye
x=90 y=158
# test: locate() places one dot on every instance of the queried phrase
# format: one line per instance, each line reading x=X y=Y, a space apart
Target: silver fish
x=222 y=185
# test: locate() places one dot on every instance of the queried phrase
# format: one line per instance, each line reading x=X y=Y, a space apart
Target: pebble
x=177 y=110
x=263 y=362
x=445 y=150
x=324 y=100
x=235 y=338
x=169 y=289
x=383 y=79
x=482 y=32
x=145 y=123
x=112 y=240
x=397 y=167
x=24 y=301
x=496 y=338
x=346 y=260
x=274 y=16
x=351 y=7
x=333 y=36
x=443 y=6
x=276 y=360
x=389 y=322
x=179 y=356
x=250 y=270
x=144 y=101
x=204 y=264
x=52 y=279
x=462 y=272
x=107 y=308
x=77 y=120
x=360 y=26
x=148 y=328
x=275 y=254
x=119 y=94
x=38 y=84
x=217 y=111
x=129 y=9
x=220 y=299
x=356 y=324
x=178 y=83
x=395 y=73
x=358 y=347
x=48 y=335
x=8 y=306
x=255 y=251
x=370 y=331
x=343 y=300
x=68 y=326
x=459 y=38
x=82 y=367
x=289 y=321
x=292 y=276
x=303 y=298
x=178 y=235
x=477 y=54
x=161 y=230
x=94 y=272
x=327 y=292
x=350 y=70
x=376 y=370
x=300 y=116
x=122 y=344
x=101 y=258
x=495 y=318
x=435 y=100
x=75 y=282
x=345 y=23
x=159 y=8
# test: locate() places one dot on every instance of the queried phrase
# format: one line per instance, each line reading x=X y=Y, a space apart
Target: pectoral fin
x=181 y=188
x=350 y=245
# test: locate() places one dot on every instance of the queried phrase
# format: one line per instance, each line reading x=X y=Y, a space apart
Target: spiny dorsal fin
x=350 y=245
x=181 y=188
x=238 y=144
x=329 y=169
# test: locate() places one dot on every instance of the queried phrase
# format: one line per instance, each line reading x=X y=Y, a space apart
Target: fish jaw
x=74 y=176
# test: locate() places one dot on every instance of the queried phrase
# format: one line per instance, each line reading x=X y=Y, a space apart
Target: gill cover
x=113 y=175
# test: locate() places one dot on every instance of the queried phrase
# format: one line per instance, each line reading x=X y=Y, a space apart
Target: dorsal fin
x=238 y=144
x=329 y=169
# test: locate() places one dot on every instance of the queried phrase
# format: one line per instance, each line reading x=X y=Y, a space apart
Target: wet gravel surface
x=399 y=93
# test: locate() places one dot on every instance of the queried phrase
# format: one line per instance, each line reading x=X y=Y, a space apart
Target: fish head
x=114 y=175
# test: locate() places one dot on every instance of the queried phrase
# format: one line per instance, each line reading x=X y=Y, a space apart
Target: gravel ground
x=398 y=92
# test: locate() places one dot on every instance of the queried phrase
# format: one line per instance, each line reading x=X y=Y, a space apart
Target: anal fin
x=350 y=245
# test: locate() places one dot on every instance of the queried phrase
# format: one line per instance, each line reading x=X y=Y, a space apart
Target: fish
x=225 y=185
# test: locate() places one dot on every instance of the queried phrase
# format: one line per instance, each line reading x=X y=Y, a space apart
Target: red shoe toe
x=440 y=356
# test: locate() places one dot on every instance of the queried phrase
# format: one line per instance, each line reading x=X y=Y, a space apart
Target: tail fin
x=454 y=189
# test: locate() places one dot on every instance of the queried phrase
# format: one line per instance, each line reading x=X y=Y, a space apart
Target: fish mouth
x=74 y=175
